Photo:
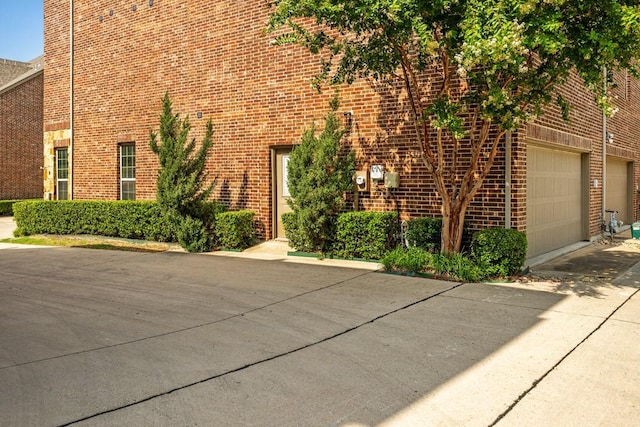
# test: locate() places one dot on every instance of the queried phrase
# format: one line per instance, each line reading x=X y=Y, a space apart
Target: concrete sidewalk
x=113 y=338
x=7 y=226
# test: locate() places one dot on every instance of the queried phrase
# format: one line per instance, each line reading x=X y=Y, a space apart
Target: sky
x=21 y=29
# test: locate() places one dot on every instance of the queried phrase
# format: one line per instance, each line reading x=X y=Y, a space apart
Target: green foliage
x=127 y=219
x=425 y=233
x=417 y=260
x=367 y=235
x=499 y=252
x=234 y=230
x=297 y=239
x=181 y=193
x=6 y=207
x=493 y=65
x=512 y=54
x=193 y=236
x=412 y=260
x=319 y=174
x=458 y=266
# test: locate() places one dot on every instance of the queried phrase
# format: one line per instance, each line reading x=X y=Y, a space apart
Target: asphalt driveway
x=93 y=337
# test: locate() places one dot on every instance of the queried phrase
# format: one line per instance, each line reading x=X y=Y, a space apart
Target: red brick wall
x=625 y=125
x=213 y=57
x=586 y=122
x=56 y=64
x=21 y=140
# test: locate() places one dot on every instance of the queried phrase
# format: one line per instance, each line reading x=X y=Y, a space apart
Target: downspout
x=507 y=180
x=604 y=148
x=72 y=162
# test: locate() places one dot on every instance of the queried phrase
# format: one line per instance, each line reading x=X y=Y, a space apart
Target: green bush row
x=235 y=230
x=495 y=252
x=426 y=233
x=133 y=220
x=127 y=219
x=367 y=235
x=362 y=234
x=6 y=207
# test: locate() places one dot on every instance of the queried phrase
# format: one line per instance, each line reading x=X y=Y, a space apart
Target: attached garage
x=618 y=191
x=555 y=208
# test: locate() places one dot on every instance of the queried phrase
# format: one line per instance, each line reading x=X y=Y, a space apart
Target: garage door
x=617 y=190
x=554 y=199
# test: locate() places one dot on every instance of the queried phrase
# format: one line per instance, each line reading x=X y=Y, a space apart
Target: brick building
x=21 y=89
x=109 y=63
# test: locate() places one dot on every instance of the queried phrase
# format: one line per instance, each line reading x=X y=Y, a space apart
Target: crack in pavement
x=267 y=359
x=562 y=359
x=189 y=328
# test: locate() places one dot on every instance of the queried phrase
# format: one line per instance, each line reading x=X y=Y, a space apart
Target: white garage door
x=618 y=197
x=554 y=199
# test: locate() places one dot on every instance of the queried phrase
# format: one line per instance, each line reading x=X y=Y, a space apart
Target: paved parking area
x=95 y=337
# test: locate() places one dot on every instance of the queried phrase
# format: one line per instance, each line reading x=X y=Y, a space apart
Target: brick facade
x=21 y=136
x=214 y=58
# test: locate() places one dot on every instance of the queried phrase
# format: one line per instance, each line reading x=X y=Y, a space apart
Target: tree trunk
x=453 y=215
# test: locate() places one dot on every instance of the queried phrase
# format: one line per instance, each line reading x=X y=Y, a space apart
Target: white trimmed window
x=128 y=171
x=62 y=173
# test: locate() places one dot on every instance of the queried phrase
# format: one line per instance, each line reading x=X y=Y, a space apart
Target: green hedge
x=235 y=230
x=6 y=207
x=135 y=220
x=499 y=252
x=297 y=240
x=426 y=233
x=127 y=219
x=367 y=235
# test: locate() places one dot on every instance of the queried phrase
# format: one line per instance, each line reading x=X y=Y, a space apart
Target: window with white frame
x=62 y=173
x=127 y=171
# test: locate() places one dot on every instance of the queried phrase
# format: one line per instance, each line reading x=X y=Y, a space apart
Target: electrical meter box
x=362 y=180
x=392 y=180
x=377 y=172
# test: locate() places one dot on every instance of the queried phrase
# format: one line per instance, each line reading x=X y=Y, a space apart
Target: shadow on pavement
x=132 y=337
x=586 y=271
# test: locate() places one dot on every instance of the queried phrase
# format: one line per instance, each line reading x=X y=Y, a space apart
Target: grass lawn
x=92 y=242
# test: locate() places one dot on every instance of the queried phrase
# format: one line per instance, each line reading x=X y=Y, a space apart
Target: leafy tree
x=181 y=191
x=319 y=174
x=492 y=66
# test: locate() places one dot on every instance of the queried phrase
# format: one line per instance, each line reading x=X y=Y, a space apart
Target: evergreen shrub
x=181 y=191
x=364 y=234
x=6 y=207
x=319 y=173
x=499 y=252
x=126 y=219
x=425 y=233
x=193 y=236
x=297 y=239
x=235 y=230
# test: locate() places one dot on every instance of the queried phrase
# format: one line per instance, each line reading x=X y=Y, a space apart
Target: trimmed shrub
x=234 y=230
x=412 y=260
x=193 y=236
x=364 y=234
x=425 y=233
x=6 y=207
x=499 y=252
x=127 y=219
x=297 y=239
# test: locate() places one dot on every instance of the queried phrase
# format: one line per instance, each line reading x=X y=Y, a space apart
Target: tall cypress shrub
x=319 y=173
x=182 y=192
